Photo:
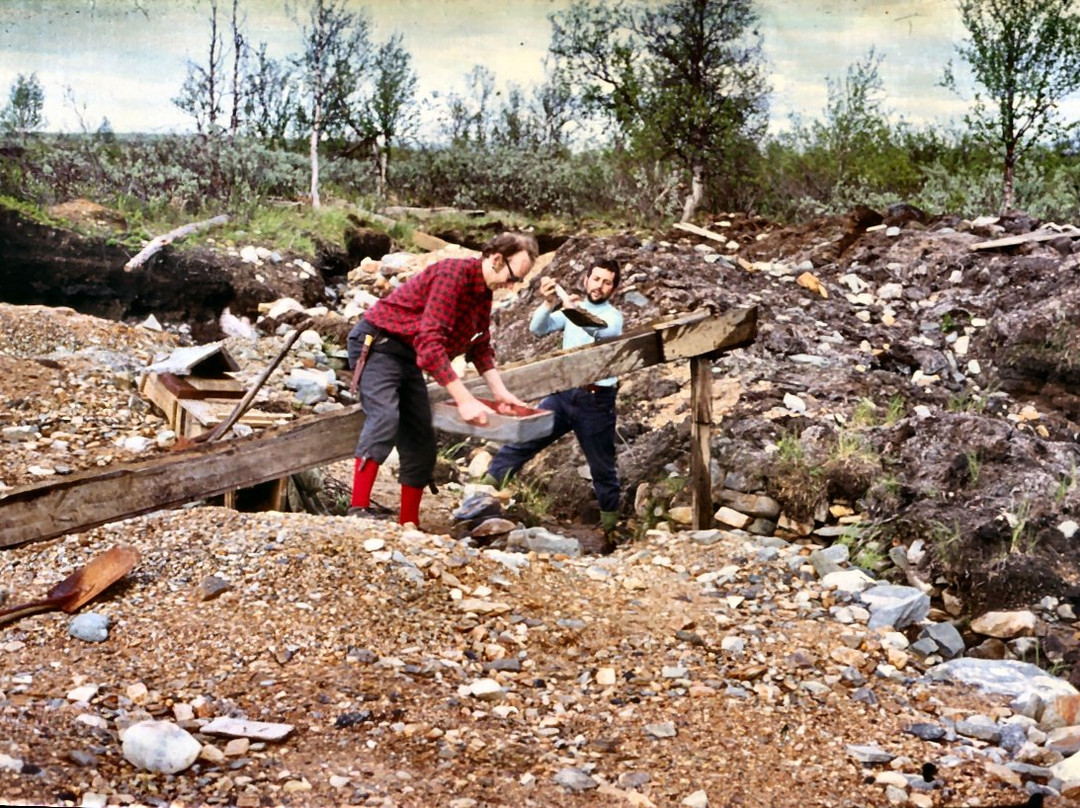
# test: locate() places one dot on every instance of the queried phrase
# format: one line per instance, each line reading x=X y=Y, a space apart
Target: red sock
x=363 y=481
x=410 y=504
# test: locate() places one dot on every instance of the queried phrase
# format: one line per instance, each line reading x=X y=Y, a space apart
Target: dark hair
x=610 y=264
x=510 y=244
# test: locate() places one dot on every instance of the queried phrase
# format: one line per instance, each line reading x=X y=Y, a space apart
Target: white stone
x=794 y=403
x=851 y=580
x=281 y=306
x=486 y=689
x=890 y=291
x=1068 y=769
x=241 y=728
x=83 y=693
x=1068 y=528
x=731 y=517
x=699 y=799
x=160 y=746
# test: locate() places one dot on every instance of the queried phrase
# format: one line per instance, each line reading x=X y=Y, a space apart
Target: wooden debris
x=226 y=727
x=157 y=244
x=701 y=231
x=1025 y=238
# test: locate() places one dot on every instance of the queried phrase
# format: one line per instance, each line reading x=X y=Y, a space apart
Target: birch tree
x=684 y=80
x=331 y=72
x=1024 y=56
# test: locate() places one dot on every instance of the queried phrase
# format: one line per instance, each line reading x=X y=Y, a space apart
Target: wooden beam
x=1024 y=238
x=701 y=231
x=699 y=336
x=91 y=498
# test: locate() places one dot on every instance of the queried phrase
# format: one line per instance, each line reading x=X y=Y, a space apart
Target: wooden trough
x=196 y=393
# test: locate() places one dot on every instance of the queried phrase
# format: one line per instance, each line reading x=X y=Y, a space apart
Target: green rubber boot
x=609 y=520
x=489 y=479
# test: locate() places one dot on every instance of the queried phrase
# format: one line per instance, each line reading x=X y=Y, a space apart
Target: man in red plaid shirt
x=436 y=315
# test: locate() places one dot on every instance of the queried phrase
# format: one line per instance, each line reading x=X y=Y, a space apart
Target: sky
x=125 y=60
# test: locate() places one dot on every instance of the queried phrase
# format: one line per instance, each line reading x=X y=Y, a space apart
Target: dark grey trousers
x=397 y=412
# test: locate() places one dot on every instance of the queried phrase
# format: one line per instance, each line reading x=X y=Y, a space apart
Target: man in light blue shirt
x=588 y=410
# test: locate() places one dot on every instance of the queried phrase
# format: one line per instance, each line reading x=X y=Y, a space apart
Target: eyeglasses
x=513 y=277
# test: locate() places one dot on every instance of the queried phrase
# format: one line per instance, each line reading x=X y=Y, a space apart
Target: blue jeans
x=590 y=413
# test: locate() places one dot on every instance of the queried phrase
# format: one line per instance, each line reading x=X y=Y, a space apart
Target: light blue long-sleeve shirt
x=544 y=321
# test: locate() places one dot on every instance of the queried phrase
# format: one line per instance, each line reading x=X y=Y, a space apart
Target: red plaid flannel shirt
x=442 y=312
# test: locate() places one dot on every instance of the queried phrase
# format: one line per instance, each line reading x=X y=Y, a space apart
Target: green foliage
x=682 y=81
x=1025 y=58
x=865 y=413
x=974 y=464
x=1065 y=485
x=532 y=496
x=1018 y=521
x=23 y=112
x=896 y=410
x=966 y=401
x=947 y=542
x=518 y=180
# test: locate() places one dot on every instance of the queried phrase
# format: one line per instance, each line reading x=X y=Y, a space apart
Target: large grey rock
x=895 y=606
x=1005 y=676
x=830 y=559
x=948 y=639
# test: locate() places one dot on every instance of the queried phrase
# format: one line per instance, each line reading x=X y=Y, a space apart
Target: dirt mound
x=907 y=395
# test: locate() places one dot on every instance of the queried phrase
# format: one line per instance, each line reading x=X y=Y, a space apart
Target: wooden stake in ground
x=158 y=243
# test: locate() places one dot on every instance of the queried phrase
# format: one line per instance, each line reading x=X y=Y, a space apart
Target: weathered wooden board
x=700 y=439
x=701 y=231
x=1024 y=238
x=93 y=498
x=682 y=339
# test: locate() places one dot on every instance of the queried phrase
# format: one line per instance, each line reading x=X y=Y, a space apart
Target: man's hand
x=473 y=411
x=554 y=296
x=508 y=403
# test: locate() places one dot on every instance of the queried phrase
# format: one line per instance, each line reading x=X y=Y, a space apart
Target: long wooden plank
x=88 y=499
x=701 y=231
x=685 y=338
x=91 y=498
x=1024 y=238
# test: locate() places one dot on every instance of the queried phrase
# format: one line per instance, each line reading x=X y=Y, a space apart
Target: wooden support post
x=700 y=434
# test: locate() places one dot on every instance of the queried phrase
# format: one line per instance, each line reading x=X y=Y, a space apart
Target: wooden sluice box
x=196 y=391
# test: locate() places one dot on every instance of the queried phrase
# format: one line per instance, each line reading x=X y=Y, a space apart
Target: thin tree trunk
x=314 y=166
x=1007 y=204
x=238 y=46
x=383 y=158
x=697 y=191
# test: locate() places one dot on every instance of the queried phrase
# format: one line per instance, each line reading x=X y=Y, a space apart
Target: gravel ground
x=415 y=670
